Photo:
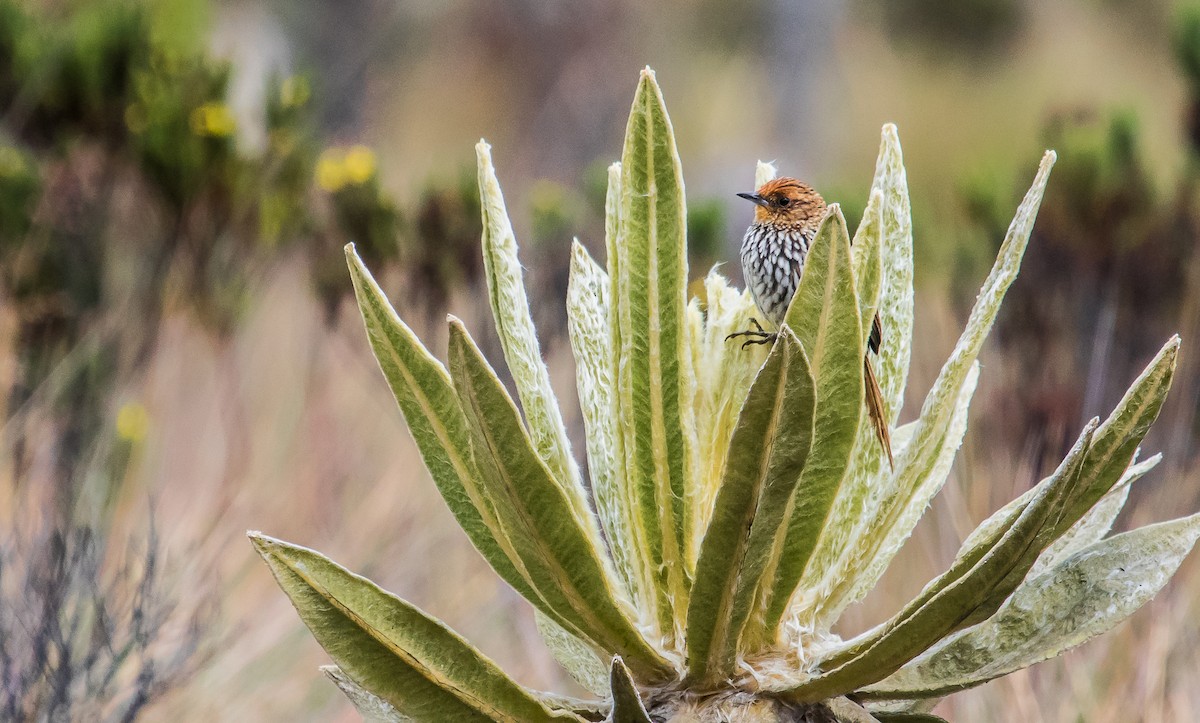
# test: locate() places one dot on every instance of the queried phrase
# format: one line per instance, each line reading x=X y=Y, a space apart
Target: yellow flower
x=360 y=165
x=213 y=119
x=133 y=422
x=331 y=170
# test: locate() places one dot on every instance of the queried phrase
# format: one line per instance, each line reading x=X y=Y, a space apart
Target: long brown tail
x=875 y=408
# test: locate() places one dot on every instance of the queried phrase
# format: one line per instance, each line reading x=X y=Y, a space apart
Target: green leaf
x=426 y=397
x=1115 y=443
x=1082 y=597
x=952 y=597
x=655 y=377
x=886 y=519
x=766 y=456
x=868 y=459
x=1093 y=526
x=574 y=655
x=409 y=660
x=564 y=566
x=824 y=315
x=371 y=707
x=514 y=326
x=627 y=704
x=588 y=326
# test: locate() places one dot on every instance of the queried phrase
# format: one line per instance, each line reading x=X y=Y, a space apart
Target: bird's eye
x=783 y=202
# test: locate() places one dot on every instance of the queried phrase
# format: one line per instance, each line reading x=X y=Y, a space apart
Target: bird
x=786 y=218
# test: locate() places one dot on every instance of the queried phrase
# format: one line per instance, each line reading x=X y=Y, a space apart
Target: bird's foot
x=757 y=335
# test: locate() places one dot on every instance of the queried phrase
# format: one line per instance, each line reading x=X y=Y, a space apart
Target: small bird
x=774 y=248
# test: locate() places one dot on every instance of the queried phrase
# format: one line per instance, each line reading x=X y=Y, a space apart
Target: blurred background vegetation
x=180 y=360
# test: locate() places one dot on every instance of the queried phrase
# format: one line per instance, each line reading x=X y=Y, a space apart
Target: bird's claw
x=757 y=335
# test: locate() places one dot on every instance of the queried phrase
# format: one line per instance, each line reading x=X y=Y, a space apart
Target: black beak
x=755 y=198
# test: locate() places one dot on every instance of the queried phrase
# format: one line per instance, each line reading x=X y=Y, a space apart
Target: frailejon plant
x=737 y=500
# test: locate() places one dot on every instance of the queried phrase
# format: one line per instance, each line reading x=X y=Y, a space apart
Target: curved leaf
x=1082 y=597
x=884 y=525
x=954 y=596
x=430 y=406
x=564 y=566
x=824 y=315
x=401 y=655
x=766 y=456
x=654 y=369
x=514 y=326
x=1093 y=526
x=1114 y=444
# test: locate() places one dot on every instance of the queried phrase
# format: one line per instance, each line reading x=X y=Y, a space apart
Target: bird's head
x=786 y=201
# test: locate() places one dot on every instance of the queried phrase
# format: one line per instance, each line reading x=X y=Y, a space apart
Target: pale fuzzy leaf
x=408 y=659
x=932 y=479
x=655 y=378
x=627 y=703
x=896 y=294
x=574 y=655
x=423 y=390
x=371 y=707
x=564 y=566
x=724 y=371
x=885 y=506
x=763 y=172
x=952 y=597
x=824 y=315
x=868 y=457
x=770 y=444
x=1082 y=597
x=518 y=338
x=1093 y=526
x=587 y=324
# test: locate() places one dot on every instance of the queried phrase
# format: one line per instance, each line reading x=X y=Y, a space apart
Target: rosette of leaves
x=738 y=500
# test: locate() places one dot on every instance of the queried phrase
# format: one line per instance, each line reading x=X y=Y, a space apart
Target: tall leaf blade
x=941 y=608
x=896 y=293
x=518 y=337
x=767 y=454
x=868 y=457
x=824 y=315
x=655 y=373
x=884 y=525
x=393 y=650
x=435 y=418
x=1082 y=597
x=588 y=307
x=564 y=566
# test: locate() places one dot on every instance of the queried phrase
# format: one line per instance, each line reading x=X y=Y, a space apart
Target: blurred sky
x=806 y=83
